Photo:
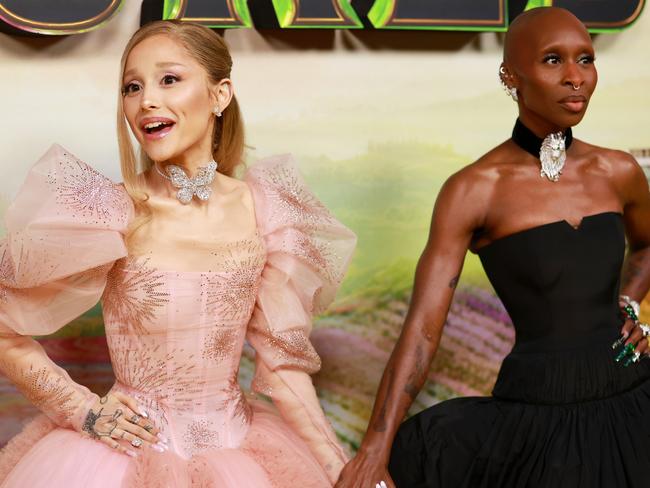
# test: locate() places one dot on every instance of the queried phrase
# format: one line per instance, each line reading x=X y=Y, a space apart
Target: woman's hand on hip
x=117 y=421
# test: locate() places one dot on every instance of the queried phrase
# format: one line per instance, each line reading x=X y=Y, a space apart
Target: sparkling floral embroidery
x=319 y=255
x=260 y=385
x=48 y=391
x=292 y=201
x=167 y=376
x=293 y=348
x=6 y=273
x=27 y=266
x=220 y=343
x=233 y=397
x=133 y=294
x=87 y=193
x=200 y=436
x=231 y=294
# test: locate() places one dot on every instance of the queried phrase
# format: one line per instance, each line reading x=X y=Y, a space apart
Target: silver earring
x=216 y=111
x=511 y=91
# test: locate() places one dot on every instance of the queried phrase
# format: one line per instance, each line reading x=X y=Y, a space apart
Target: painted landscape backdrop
x=377 y=121
x=357 y=334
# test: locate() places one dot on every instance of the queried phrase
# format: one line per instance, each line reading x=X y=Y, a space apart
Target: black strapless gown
x=563 y=412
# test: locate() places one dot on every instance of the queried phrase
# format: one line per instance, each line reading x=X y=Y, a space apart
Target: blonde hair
x=211 y=52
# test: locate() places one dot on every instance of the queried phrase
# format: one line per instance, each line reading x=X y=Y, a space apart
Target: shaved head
x=533 y=24
x=548 y=62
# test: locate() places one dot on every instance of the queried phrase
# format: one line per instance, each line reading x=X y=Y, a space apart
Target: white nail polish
x=157 y=448
x=131 y=453
x=163 y=439
x=144 y=414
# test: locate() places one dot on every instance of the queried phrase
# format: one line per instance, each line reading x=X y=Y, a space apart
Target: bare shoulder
x=468 y=192
x=480 y=177
x=619 y=166
x=618 y=163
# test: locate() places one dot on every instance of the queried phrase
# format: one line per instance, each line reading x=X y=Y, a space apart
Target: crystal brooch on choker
x=188 y=188
x=552 y=154
x=551 y=151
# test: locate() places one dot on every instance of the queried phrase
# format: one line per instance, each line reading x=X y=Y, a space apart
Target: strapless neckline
x=561 y=222
x=560 y=286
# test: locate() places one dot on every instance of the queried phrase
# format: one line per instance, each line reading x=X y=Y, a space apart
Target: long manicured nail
x=633 y=359
x=131 y=453
x=143 y=413
x=157 y=447
x=162 y=438
x=626 y=350
x=620 y=341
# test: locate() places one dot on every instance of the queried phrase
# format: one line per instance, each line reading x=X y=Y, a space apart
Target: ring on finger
x=645 y=328
x=137 y=442
x=135 y=418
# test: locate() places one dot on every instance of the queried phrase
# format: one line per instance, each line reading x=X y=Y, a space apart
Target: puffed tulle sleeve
x=64 y=232
x=308 y=252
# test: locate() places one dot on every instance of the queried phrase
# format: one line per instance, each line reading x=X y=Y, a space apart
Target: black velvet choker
x=529 y=142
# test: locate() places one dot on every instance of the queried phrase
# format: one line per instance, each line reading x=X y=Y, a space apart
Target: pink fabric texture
x=175 y=334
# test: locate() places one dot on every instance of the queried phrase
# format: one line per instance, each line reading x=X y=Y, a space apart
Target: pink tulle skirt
x=271 y=456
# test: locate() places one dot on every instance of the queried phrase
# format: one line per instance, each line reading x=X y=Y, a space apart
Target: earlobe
x=224 y=93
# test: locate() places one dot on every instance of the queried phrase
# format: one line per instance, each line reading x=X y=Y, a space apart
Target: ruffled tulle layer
x=486 y=442
x=272 y=456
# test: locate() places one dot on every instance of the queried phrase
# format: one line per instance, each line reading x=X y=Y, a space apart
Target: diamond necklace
x=198 y=186
x=551 y=151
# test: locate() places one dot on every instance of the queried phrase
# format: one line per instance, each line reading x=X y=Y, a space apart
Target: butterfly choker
x=551 y=151
x=188 y=188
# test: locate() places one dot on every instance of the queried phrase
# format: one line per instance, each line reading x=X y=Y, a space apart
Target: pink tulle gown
x=253 y=264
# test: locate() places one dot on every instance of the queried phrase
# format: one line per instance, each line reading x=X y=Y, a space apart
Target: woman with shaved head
x=548 y=216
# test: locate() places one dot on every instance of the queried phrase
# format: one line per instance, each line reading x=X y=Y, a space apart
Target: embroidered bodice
x=177 y=314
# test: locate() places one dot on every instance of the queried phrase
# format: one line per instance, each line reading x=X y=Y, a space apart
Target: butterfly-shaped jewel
x=189 y=187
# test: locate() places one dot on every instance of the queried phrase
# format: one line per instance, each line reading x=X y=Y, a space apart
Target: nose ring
x=576 y=88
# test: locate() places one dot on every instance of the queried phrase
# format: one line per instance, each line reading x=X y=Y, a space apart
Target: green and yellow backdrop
x=378 y=120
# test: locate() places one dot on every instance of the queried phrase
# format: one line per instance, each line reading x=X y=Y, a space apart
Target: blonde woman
x=189 y=262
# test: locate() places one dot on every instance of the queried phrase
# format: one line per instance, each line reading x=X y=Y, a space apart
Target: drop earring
x=511 y=91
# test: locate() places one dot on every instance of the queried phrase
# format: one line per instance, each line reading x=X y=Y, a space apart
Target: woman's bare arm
x=458 y=212
x=636 y=271
x=633 y=187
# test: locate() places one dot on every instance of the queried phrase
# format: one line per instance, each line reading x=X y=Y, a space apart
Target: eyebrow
x=158 y=65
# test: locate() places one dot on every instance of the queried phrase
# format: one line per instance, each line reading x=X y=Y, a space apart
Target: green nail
x=633 y=359
x=626 y=350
